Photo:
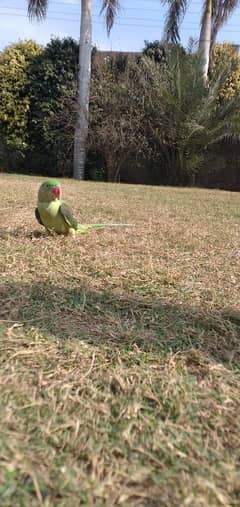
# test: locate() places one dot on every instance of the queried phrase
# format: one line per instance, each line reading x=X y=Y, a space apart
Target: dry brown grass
x=120 y=350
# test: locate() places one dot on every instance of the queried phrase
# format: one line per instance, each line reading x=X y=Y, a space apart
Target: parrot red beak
x=56 y=192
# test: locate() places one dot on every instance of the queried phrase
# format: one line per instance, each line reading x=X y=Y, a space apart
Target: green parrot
x=54 y=214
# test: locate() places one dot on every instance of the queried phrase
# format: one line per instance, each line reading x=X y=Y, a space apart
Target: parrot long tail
x=87 y=227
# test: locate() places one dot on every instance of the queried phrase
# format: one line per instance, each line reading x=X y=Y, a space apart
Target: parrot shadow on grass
x=20 y=233
x=53 y=214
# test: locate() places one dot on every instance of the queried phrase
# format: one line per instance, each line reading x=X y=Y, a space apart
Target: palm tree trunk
x=205 y=39
x=84 y=77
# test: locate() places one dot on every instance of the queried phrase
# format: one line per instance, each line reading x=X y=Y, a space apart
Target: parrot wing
x=38 y=216
x=68 y=216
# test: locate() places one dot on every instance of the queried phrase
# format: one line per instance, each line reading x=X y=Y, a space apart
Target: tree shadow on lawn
x=106 y=319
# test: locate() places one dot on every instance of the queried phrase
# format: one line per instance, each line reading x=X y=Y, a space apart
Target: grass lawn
x=120 y=349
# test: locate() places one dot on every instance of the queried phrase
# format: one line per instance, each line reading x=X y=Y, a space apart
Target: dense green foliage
x=145 y=111
x=33 y=82
x=226 y=54
x=53 y=77
x=15 y=100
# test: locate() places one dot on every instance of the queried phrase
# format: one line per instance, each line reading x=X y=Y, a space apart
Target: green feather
x=53 y=183
x=68 y=216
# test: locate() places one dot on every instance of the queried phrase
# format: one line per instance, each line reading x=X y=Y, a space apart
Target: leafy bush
x=15 y=101
x=53 y=78
x=161 y=113
x=226 y=56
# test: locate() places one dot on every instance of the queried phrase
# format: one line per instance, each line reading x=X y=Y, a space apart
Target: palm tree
x=205 y=37
x=38 y=9
x=215 y=15
x=222 y=9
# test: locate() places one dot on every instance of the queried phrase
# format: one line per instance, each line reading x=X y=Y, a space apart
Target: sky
x=137 y=21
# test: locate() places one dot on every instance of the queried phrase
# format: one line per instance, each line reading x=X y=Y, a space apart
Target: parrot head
x=50 y=190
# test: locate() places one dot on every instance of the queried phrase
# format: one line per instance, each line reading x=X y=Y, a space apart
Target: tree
x=15 y=61
x=222 y=9
x=52 y=78
x=215 y=14
x=84 y=76
x=38 y=8
x=226 y=56
x=159 y=51
x=205 y=38
x=118 y=121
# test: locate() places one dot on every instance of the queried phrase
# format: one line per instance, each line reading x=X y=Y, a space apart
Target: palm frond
x=175 y=14
x=37 y=9
x=111 y=8
x=192 y=45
